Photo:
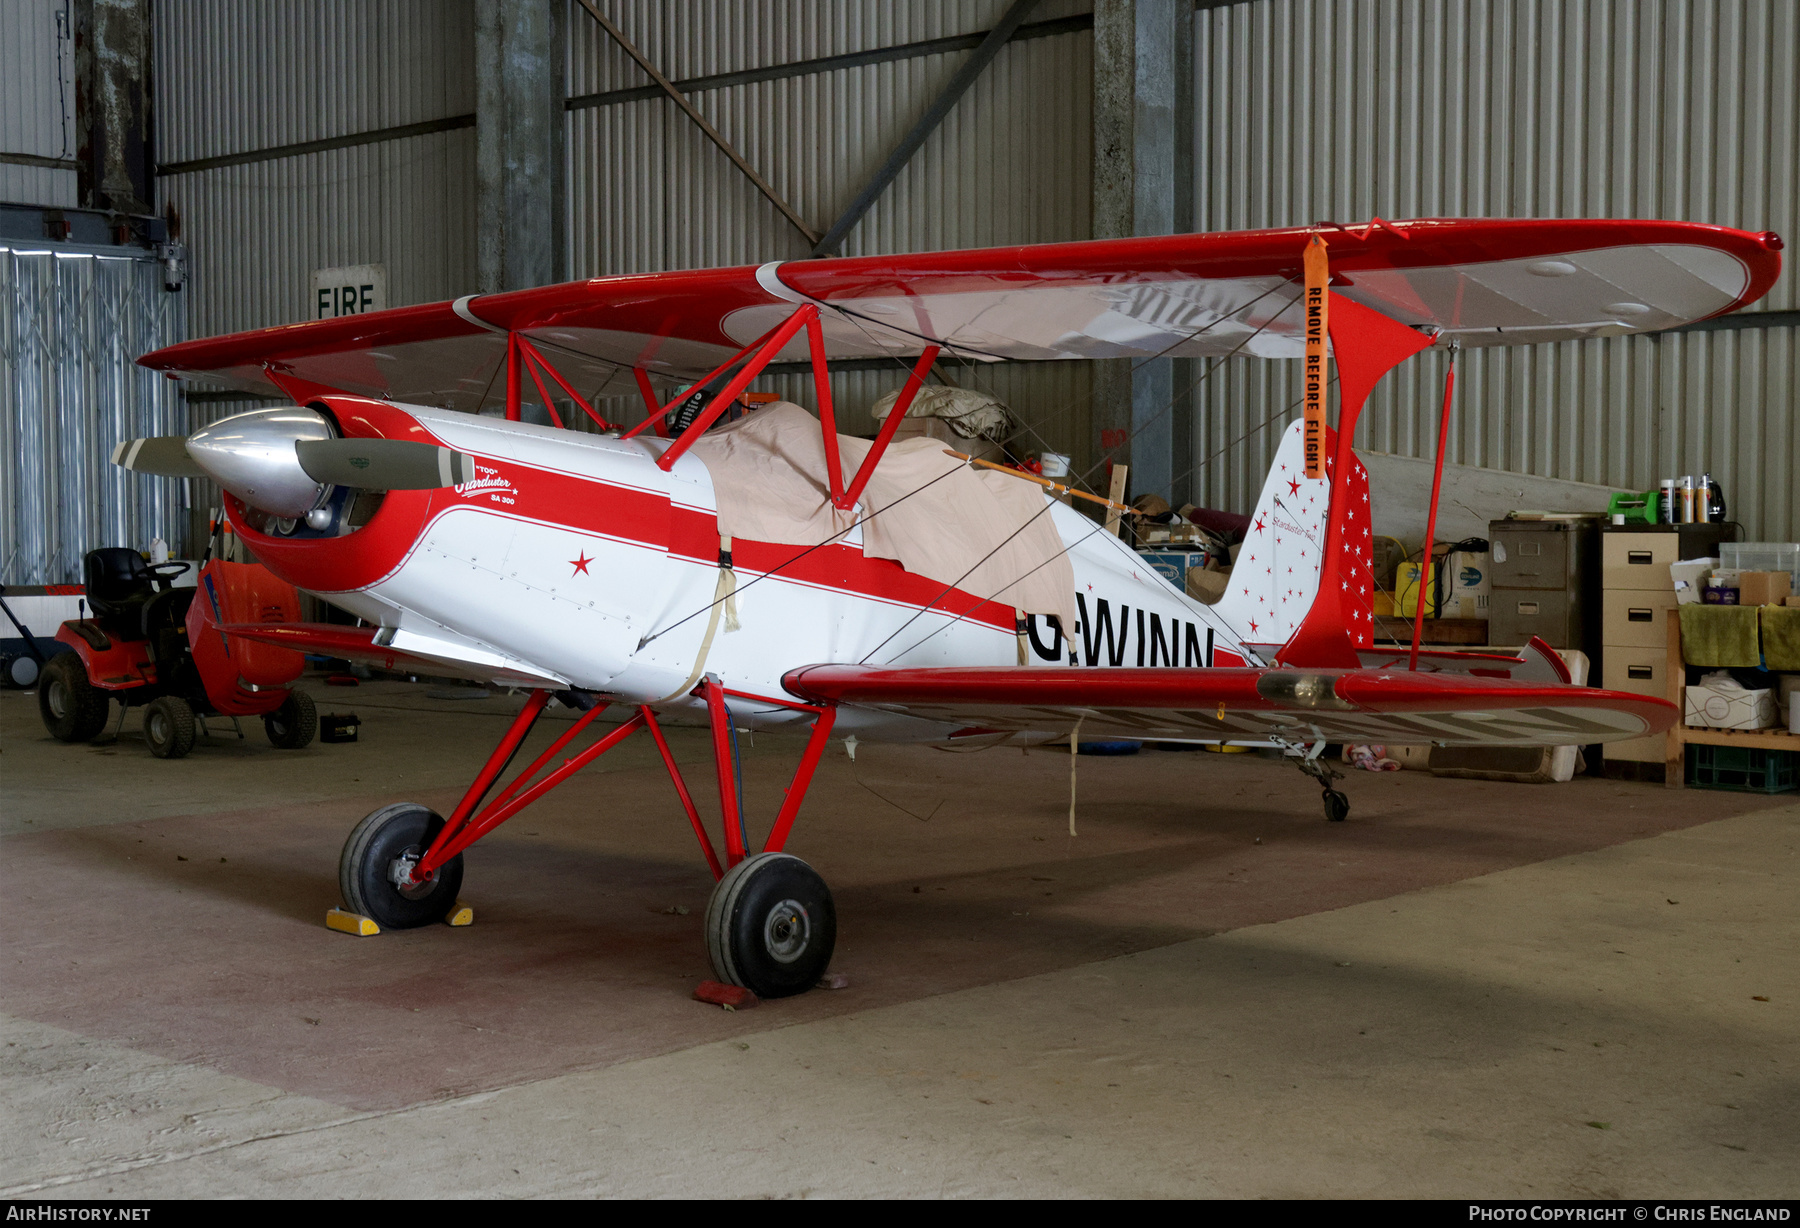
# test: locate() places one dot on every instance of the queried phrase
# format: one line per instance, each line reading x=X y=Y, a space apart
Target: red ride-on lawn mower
x=151 y=643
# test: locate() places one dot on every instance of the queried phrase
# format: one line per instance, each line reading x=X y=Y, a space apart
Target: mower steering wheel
x=161 y=573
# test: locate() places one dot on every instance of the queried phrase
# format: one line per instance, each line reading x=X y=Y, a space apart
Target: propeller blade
x=166 y=455
x=384 y=464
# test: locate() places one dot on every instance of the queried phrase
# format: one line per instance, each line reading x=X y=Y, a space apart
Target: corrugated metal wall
x=1654 y=108
x=1523 y=108
x=37 y=100
x=72 y=322
x=1009 y=165
x=235 y=76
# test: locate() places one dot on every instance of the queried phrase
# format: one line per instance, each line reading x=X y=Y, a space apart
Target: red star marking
x=1253 y=626
x=580 y=564
x=1259 y=524
x=1293 y=487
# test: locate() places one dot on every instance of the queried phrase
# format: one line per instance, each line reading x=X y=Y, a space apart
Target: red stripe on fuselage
x=577 y=503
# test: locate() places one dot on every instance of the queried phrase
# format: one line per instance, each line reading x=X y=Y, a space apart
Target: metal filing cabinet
x=1638 y=599
x=1546 y=582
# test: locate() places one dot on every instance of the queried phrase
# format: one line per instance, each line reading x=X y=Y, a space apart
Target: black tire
x=294 y=724
x=375 y=845
x=1337 y=806
x=73 y=709
x=771 y=926
x=169 y=727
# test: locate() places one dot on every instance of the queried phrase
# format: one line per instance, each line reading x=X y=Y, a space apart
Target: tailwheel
x=1337 y=806
x=771 y=926
x=375 y=872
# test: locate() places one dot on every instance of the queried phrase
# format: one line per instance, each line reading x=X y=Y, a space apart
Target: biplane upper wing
x=1362 y=706
x=1479 y=281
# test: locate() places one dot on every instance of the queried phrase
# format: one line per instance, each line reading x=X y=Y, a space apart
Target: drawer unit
x=1545 y=582
x=1638 y=560
x=1639 y=556
x=1515 y=615
x=1529 y=558
x=1637 y=617
x=1641 y=671
x=1636 y=605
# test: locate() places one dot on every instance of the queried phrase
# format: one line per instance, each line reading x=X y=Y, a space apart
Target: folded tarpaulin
x=988 y=534
x=1720 y=636
x=1781 y=636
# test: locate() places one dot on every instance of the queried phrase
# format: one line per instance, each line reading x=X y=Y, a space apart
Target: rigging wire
x=974 y=368
x=1101 y=528
x=1049 y=503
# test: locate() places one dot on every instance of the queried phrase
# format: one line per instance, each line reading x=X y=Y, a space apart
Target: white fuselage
x=582 y=594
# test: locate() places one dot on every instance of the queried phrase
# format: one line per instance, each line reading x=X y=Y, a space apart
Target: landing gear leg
x=1337 y=804
x=771 y=925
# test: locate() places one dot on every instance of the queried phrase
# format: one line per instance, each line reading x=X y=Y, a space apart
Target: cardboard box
x=1689 y=577
x=1206 y=585
x=1793 y=601
x=1174 y=565
x=1720 y=703
x=1172 y=535
x=1764 y=587
x=1467 y=587
x=1466 y=590
x=1406 y=591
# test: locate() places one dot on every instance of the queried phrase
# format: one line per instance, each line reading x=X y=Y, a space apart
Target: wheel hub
x=786 y=931
x=58 y=700
x=400 y=873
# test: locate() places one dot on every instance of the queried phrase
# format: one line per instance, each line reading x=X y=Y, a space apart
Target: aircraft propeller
x=286 y=461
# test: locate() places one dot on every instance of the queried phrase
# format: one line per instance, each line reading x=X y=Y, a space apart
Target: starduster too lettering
x=1318 y=280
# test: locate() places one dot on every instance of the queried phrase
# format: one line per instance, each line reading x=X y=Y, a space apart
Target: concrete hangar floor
x=1469 y=989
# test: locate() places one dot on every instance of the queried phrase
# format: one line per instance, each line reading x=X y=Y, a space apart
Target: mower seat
x=119 y=585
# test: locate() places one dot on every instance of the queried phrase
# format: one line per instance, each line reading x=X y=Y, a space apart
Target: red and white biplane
x=768 y=573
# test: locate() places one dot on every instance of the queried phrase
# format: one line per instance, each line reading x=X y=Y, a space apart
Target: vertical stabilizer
x=1275 y=579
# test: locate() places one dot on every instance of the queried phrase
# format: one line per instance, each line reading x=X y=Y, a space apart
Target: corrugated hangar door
x=73 y=321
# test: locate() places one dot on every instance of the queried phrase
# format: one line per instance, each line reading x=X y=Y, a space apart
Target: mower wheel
x=377 y=859
x=294 y=724
x=169 y=727
x=73 y=709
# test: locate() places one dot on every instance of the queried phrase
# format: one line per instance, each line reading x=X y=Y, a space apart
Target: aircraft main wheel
x=771 y=926
x=376 y=860
x=294 y=724
x=169 y=727
x=1337 y=806
x=73 y=709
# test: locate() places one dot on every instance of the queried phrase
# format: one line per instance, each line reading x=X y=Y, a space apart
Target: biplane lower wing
x=1363 y=706
x=405 y=653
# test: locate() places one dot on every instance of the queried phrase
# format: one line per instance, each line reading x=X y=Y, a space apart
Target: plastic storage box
x=1743 y=769
x=1761 y=556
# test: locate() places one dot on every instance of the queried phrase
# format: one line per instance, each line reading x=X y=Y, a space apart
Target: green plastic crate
x=1744 y=769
